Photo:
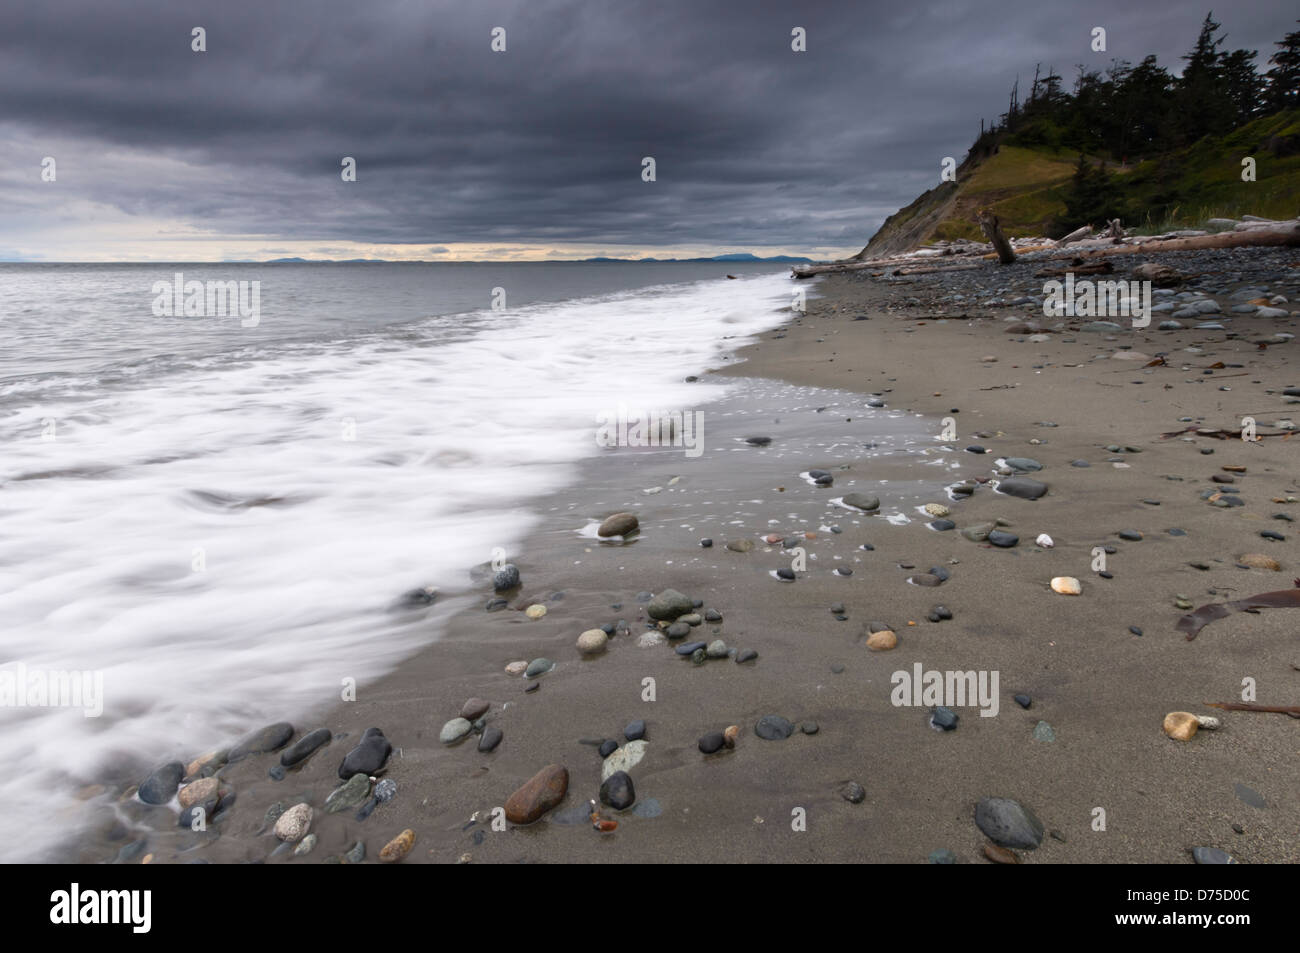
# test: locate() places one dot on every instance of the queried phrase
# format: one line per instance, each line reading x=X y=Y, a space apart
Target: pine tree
x=1284 y=78
x=1243 y=85
x=1205 y=105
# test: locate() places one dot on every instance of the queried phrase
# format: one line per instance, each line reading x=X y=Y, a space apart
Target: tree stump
x=993 y=231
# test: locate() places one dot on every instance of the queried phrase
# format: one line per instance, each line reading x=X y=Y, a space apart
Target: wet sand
x=1103 y=690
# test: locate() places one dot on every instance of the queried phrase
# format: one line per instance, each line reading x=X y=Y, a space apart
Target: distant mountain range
x=738 y=257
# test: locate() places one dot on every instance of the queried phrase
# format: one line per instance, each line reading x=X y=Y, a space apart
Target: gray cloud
x=756 y=145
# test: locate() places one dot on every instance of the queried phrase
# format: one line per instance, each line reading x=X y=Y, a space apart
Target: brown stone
x=620 y=524
x=1000 y=855
x=543 y=791
x=475 y=708
x=1260 y=561
x=198 y=792
x=882 y=641
x=1181 y=725
x=398 y=847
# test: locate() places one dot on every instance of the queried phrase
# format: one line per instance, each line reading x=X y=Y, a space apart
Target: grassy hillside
x=1026 y=186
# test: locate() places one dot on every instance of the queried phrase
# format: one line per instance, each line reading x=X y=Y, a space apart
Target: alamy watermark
x=1100 y=299
x=923 y=688
x=21 y=687
x=656 y=428
x=212 y=299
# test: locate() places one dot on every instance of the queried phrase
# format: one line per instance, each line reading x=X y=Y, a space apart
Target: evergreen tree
x=1243 y=85
x=1284 y=78
x=1090 y=199
x=1205 y=107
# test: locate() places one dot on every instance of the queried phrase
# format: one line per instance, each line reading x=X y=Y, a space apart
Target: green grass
x=1025 y=186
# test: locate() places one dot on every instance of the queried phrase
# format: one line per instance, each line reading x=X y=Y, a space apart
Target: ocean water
x=215 y=522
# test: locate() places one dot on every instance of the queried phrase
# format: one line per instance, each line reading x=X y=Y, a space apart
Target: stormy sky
x=162 y=152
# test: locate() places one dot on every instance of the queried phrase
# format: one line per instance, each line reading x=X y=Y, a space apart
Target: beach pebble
x=861 y=501
x=1066 y=586
x=292 y=825
x=730 y=735
x=635 y=730
x=746 y=655
x=306 y=846
x=711 y=742
x=624 y=759
x=506 y=578
x=853 y=792
x=882 y=641
x=1181 y=725
x=1000 y=855
x=301 y=749
x=198 y=792
x=1131 y=535
x=1208 y=722
x=1023 y=464
x=1260 y=561
x=592 y=641
x=1024 y=701
x=1022 y=488
x=350 y=793
x=454 y=730
x=1045 y=541
x=617 y=791
x=1008 y=823
x=944 y=719
x=668 y=605
x=538 y=666
x=516 y=668
x=490 y=738
x=678 y=630
x=385 y=790
x=716 y=649
x=535 y=611
x=270 y=738
x=936 y=509
x=1044 y=732
x=773 y=728
x=1002 y=539
x=740 y=545
x=368 y=757
x=398 y=847
x=712 y=615
x=941 y=856
x=620 y=524
x=785 y=574
x=160 y=787
x=539 y=794
x=1211 y=855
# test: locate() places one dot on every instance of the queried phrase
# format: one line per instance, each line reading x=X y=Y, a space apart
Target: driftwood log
x=1075 y=235
x=1287 y=235
x=993 y=232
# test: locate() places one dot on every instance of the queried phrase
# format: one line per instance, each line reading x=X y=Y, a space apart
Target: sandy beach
x=1087 y=757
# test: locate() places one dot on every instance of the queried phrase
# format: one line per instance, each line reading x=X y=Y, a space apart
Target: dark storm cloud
x=755 y=144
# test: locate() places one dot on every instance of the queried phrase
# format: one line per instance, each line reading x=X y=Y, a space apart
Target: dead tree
x=993 y=231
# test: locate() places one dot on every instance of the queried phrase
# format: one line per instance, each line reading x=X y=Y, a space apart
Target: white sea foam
x=308 y=538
